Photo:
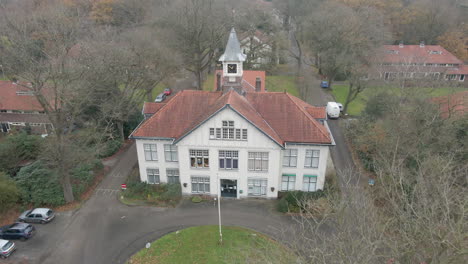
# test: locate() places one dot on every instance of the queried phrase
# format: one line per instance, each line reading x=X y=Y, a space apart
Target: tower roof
x=233 y=50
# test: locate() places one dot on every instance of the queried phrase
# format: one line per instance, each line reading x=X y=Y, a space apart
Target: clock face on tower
x=232 y=68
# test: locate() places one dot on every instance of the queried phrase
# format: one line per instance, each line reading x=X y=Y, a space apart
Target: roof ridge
x=308 y=116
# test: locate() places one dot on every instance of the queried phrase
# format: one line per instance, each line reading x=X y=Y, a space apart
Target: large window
x=257 y=187
x=172 y=175
x=258 y=161
x=228 y=159
x=312 y=158
x=170 y=152
x=151 y=152
x=288 y=181
x=228 y=131
x=199 y=158
x=290 y=157
x=153 y=176
x=310 y=183
x=200 y=184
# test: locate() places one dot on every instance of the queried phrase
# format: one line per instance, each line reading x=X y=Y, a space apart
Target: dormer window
x=228 y=131
x=392 y=51
x=435 y=52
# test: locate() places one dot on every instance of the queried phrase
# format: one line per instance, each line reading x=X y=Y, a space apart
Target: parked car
x=324 y=84
x=333 y=110
x=21 y=231
x=37 y=215
x=160 y=98
x=167 y=91
x=6 y=248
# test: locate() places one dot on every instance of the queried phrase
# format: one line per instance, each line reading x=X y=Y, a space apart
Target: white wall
x=256 y=142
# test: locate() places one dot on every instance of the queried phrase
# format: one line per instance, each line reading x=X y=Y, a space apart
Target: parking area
x=31 y=250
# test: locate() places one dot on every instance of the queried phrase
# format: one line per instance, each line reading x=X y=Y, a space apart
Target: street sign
x=124 y=186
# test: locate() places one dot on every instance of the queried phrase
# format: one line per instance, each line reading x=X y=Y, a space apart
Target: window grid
x=312 y=158
x=244 y=134
x=227 y=131
x=152 y=176
x=257 y=187
x=200 y=184
x=172 y=175
x=199 y=158
x=258 y=161
x=288 y=183
x=170 y=152
x=309 y=184
x=228 y=159
x=212 y=133
x=290 y=158
x=151 y=153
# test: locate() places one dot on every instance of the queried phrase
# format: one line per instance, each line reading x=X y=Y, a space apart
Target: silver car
x=37 y=215
x=160 y=98
x=6 y=248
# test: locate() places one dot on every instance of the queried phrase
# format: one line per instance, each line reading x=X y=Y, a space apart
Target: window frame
x=155 y=174
x=228 y=155
x=173 y=173
x=310 y=158
x=309 y=182
x=290 y=184
x=258 y=158
x=171 y=151
x=288 y=155
x=200 y=181
x=260 y=183
x=153 y=153
x=205 y=159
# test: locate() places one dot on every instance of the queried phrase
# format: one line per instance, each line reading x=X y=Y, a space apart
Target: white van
x=333 y=110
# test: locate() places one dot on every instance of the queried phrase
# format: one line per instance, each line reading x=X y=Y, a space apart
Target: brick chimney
x=258 y=84
x=218 y=82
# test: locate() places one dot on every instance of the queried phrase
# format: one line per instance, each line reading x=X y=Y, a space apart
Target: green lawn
x=200 y=245
x=275 y=83
x=355 y=108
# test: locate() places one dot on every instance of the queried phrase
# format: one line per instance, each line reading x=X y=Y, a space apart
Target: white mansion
x=246 y=143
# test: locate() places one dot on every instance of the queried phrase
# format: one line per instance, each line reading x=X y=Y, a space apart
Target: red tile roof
x=250 y=77
x=317 y=112
x=418 y=54
x=24 y=118
x=454 y=104
x=151 y=108
x=284 y=118
x=10 y=100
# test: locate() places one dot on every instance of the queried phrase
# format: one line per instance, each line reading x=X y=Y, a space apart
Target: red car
x=167 y=91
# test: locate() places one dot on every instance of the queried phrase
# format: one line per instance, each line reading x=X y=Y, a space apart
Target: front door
x=229 y=188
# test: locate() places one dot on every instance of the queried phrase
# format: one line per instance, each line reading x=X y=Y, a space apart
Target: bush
x=83 y=175
x=295 y=201
x=161 y=194
x=283 y=206
x=39 y=185
x=173 y=192
x=16 y=148
x=196 y=199
x=111 y=147
x=9 y=193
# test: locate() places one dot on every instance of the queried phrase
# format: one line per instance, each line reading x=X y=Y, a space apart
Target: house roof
x=233 y=51
x=317 y=112
x=17 y=97
x=454 y=104
x=24 y=118
x=151 y=107
x=417 y=53
x=280 y=116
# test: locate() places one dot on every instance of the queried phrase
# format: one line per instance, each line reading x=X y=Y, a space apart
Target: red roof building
x=20 y=108
x=419 y=61
x=453 y=105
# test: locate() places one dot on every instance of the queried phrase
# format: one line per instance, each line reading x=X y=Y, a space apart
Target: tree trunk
x=199 y=80
x=149 y=95
x=121 y=130
x=67 y=187
x=348 y=98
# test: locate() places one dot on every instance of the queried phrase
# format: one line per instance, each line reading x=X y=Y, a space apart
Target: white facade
x=266 y=183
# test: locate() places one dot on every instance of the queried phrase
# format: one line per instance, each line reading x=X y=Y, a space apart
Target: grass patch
x=200 y=245
x=340 y=91
x=208 y=84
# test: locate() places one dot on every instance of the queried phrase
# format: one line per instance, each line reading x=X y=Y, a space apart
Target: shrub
x=9 y=193
x=295 y=201
x=173 y=192
x=83 y=175
x=111 y=147
x=39 y=185
x=16 y=148
x=196 y=199
x=283 y=205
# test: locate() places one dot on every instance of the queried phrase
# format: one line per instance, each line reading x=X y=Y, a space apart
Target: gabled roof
x=418 y=54
x=233 y=51
x=150 y=108
x=280 y=116
x=463 y=69
x=17 y=97
x=249 y=79
x=317 y=112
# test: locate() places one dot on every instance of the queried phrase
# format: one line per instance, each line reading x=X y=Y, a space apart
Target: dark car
x=21 y=231
x=324 y=84
x=6 y=248
x=167 y=91
x=37 y=215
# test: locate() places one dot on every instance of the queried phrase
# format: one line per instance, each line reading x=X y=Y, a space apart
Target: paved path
x=106 y=231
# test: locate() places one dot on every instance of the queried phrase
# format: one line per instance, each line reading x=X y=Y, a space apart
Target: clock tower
x=232 y=60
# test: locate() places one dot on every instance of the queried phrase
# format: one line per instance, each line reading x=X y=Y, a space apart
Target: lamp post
x=219 y=209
